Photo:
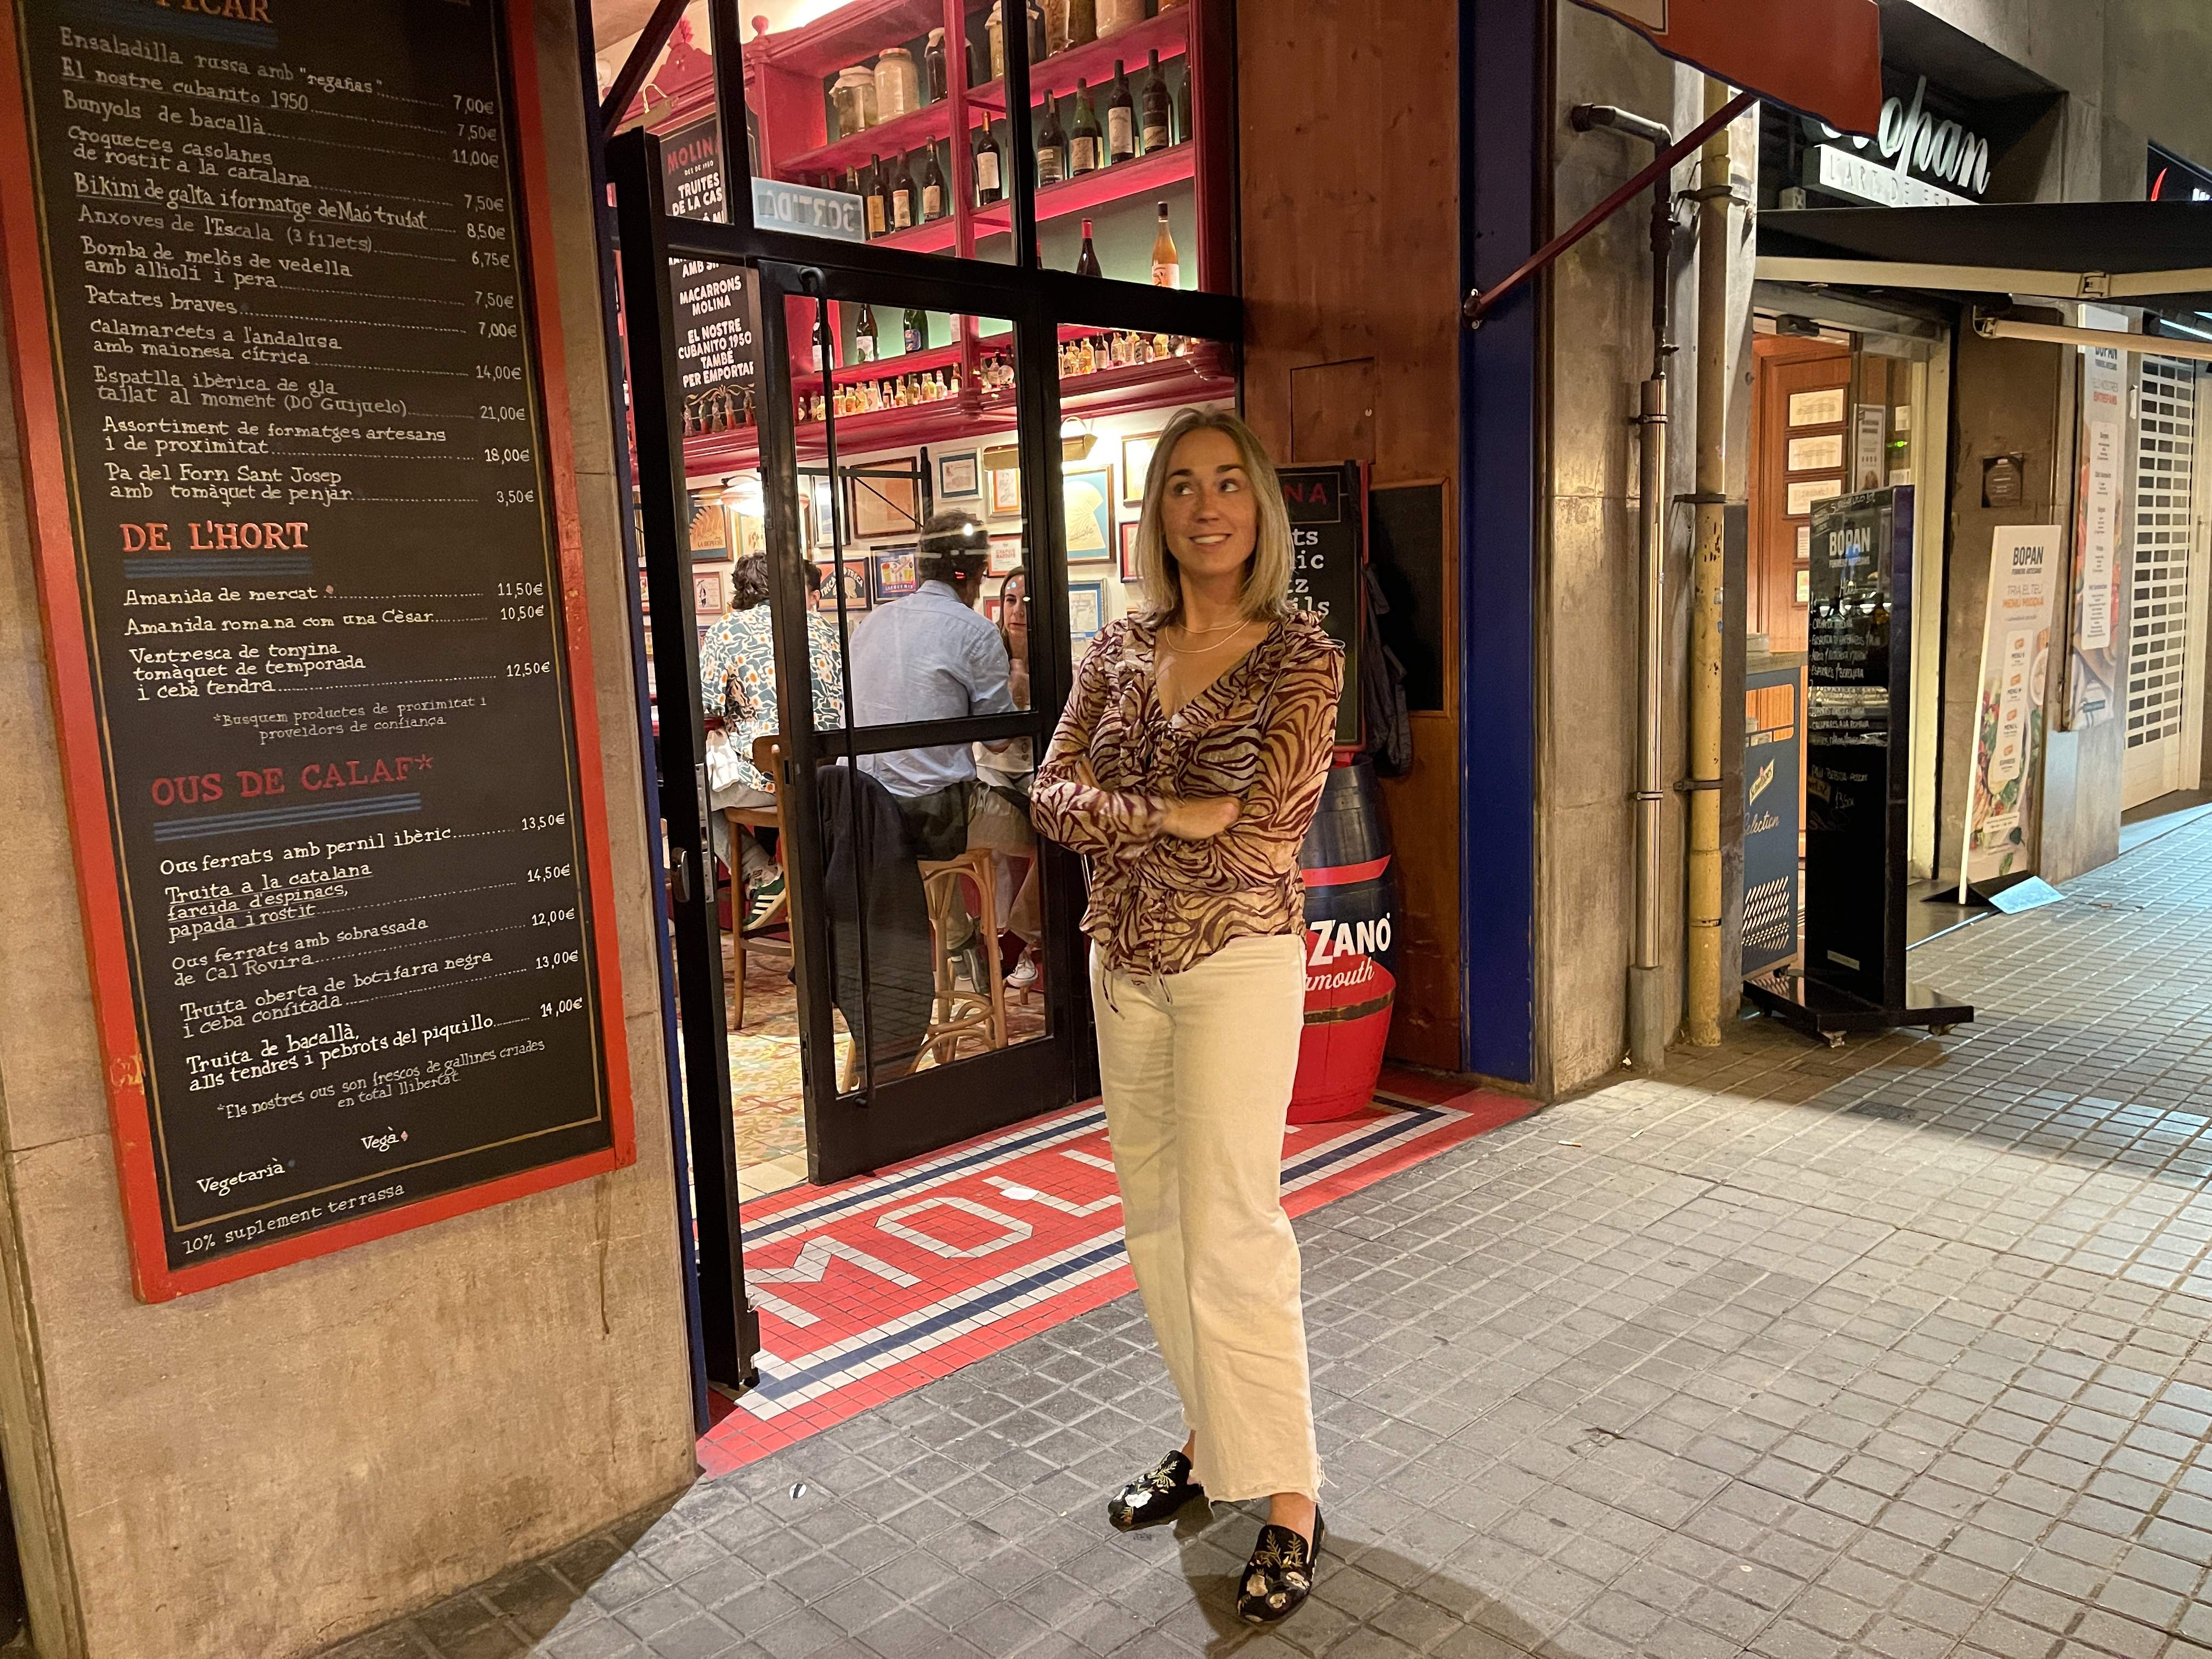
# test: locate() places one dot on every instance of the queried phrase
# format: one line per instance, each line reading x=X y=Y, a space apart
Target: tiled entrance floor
x=1901 y=1350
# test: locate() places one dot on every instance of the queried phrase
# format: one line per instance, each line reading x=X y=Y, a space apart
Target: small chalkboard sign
x=1328 y=541
x=717 y=308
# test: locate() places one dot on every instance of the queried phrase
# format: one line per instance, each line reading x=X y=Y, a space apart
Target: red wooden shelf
x=846 y=36
x=1169 y=34
x=898 y=137
x=1142 y=175
x=882 y=368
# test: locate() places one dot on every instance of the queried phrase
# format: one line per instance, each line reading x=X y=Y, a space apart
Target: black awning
x=2121 y=253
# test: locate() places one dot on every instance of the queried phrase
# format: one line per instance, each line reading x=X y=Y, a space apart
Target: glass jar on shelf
x=898 y=88
x=853 y=100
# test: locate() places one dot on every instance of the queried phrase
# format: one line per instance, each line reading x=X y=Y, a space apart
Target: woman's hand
x=1201 y=820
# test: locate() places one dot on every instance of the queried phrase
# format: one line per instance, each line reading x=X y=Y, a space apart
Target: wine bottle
x=821 y=344
x=988 y=189
x=916 y=329
x=878 y=203
x=933 y=59
x=1086 y=262
x=1086 y=146
x=1121 y=117
x=902 y=197
x=1039 y=46
x=994 y=37
x=864 y=336
x=1052 y=145
x=1082 y=22
x=932 y=187
x=1167 y=265
x=1154 y=130
x=1182 y=108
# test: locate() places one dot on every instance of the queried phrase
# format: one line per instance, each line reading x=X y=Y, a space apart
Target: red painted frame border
x=23 y=293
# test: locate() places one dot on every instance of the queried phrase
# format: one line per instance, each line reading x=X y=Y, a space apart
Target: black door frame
x=889 y=1119
x=726 y=1329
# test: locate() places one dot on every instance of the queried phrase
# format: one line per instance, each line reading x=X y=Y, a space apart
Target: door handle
x=679 y=871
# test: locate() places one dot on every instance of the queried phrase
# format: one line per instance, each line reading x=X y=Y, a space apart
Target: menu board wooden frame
x=69 y=651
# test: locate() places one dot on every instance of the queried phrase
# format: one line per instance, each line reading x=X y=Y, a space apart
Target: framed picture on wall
x=1007 y=554
x=1087 y=495
x=855 y=577
x=1129 y=550
x=709 y=527
x=894 y=573
x=1137 y=464
x=991 y=610
x=708 y=596
x=1087 y=610
x=1002 y=475
x=959 y=477
x=883 y=502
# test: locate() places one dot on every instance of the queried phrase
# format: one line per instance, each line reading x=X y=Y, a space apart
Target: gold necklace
x=1185 y=656
x=1188 y=632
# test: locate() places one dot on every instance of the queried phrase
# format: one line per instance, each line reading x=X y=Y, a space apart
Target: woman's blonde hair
x=1268 y=576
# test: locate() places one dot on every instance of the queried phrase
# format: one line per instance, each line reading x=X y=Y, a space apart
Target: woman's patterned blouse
x=1261 y=733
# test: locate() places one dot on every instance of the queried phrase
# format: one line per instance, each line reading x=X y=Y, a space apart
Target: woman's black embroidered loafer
x=1280 y=1576
x=1154 y=1496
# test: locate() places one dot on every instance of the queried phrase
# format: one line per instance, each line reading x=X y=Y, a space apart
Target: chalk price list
x=304 y=424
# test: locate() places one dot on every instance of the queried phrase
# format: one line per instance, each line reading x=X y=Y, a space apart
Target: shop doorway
x=2167 y=610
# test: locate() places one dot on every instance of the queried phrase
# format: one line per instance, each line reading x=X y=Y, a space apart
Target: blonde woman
x=1187 y=767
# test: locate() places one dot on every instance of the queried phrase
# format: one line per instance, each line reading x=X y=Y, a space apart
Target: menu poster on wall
x=1328 y=561
x=2094 y=686
x=716 y=306
x=311 y=576
x=2009 y=731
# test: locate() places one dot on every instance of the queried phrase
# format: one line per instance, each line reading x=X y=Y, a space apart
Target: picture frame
x=1002 y=474
x=1137 y=449
x=991 y=610
x=822 y=500
x=1087 y=499
x=1129 y=572
x=1008 y=554
x=959 y=477
x=879 y=503
x=710 y=535
x=1087 y=610
x=710 y=594
x=856 y=588
x=892 y=574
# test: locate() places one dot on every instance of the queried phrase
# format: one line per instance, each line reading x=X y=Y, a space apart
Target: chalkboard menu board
x=716 y=309
x=340 y=831
x=1328 y=547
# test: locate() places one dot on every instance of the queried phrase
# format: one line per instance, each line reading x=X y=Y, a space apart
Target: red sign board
x=1822 y=57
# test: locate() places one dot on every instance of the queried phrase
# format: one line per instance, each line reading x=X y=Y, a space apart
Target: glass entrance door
x=920 y=660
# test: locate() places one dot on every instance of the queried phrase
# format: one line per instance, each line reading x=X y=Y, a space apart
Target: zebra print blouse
x=1261 y=733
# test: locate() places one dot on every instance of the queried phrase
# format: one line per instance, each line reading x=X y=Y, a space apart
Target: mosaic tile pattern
x=1904 y=1349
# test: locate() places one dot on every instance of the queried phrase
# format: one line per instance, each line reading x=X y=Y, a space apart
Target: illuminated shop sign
x=1918 y=158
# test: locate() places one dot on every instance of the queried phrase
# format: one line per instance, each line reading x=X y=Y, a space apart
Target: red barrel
x=1351 y=950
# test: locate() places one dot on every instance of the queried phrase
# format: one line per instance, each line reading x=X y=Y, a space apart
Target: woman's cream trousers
x=1197 y=1069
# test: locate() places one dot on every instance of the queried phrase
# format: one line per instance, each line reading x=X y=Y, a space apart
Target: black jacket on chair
x=878 y=913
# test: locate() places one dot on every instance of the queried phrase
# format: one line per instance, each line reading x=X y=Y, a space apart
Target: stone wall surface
x=264 y=1467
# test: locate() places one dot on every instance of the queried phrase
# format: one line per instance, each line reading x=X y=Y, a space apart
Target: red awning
x=1821 y=57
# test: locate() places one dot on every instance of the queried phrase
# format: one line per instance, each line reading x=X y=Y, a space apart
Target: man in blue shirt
x=932 y=656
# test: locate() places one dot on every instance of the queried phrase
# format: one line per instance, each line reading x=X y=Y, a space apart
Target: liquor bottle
x=1052 y=145
x=1086 y=262
x=994 y=35
x=933 y=59
x=988 y=188
x=1182 y=108
x=878 y=207
x=1086 y=359
x=1153 y=129
x=864 y=336
x=821 y=344
x=1167 y=265
x=1086 y=145
x=916 y=332
x=902 y=197
x=932 y=187
x=1082 y=22
x=1121 y=119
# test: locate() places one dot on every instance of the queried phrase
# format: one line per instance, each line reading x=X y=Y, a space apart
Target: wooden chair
x=957 y=1014
x=768 y=761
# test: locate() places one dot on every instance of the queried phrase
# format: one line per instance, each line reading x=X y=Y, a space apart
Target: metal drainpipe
x=1648 y=1027
x=1715 y=195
